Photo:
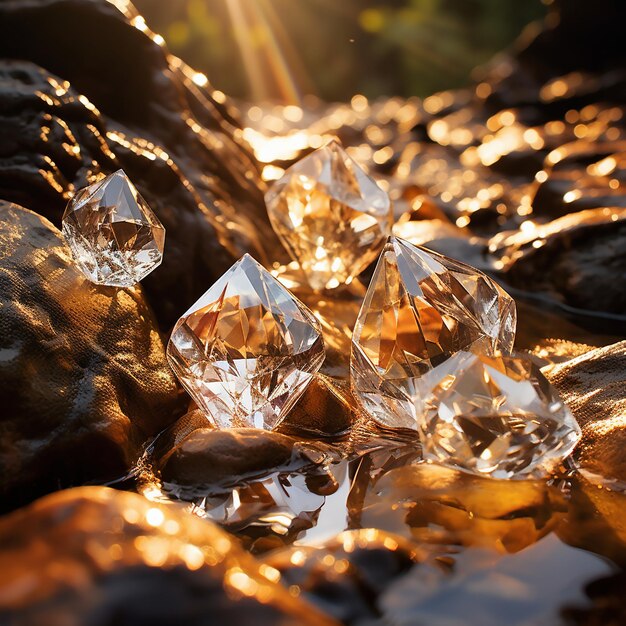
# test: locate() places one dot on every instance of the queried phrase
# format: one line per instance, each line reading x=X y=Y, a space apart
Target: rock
x=84 y=380
x=326 y=409
x=577 y=259
x=113 y=559
x=346 y=578
x=594 y=387
x=222 y=458
x=67 y=124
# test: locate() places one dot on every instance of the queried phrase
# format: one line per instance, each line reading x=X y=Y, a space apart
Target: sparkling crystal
x=330 y=215
x=495 y=416
x=114 y=236
x=420 y=309
x=247 y=349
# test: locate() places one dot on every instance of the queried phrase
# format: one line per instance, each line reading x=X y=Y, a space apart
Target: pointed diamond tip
x=418 y=311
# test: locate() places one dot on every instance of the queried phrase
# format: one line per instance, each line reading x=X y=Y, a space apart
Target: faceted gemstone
x=330 y=215
x=494 y=416
x=114 y=236
x=421 y=308
x=247 y=349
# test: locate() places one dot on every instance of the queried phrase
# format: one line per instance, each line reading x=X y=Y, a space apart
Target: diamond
x=330 y=216
x=247 y=349
x=115 y=238
x=421 y=308
x=495 y=416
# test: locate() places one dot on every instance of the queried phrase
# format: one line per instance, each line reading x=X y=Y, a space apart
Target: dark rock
x=178 y=142
x=578 y=259
x=84 y=380
x=346 y=578
x=325 y=409
x=114 y=559
x=219 y=458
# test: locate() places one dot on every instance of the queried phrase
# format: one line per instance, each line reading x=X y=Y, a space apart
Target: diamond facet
x=494 y=416
x=330 y=215
x=114 y=236
x=421 y=308
x=247 y=349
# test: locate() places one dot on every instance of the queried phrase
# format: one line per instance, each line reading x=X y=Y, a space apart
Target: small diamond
x=247 y=349
x=421 y=308
x=495 y=416
x=330 y=215
x=115 y=238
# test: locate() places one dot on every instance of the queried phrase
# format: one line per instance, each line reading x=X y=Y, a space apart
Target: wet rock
x=594 y=386
x=346 y=578
x=218 y=458
x=585 y=175
x=326 y=409
x=113 y=558
x=578 y=259
x=83 y=376
x=67 y=124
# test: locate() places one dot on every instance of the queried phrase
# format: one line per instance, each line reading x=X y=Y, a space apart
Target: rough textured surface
x=65 y=123
x=594 y=386
x=113 y=559
x=83 y=376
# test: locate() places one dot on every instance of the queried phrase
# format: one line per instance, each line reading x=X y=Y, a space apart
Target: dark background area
x=282 y=49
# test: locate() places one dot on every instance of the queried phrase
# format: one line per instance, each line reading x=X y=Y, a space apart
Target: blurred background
x=283 y=49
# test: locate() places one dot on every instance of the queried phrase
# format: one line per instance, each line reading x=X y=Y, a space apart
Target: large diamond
x=247 y=349
x=330 y=215
x=114 y=236
x=495 y=416
x=421 y=308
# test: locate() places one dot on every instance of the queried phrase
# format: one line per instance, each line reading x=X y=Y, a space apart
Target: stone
x=330 y=216
x=84 y=381
x=215 y=460
x=180 y=143
x=347 y=577
x=325 y=410
x=421 y=308
x=264 y=486
x=247 y=349
x=494 y=416
x=112 y=557
x=115 y=238
x=576 y=260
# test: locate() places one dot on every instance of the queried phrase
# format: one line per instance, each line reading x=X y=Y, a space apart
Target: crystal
x=115 y=238
x=421 y=308
x=495 y=416
x=330 y=216
x=247 y=349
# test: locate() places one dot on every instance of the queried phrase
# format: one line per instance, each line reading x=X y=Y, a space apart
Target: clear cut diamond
x=330 y=215
x=420 y=309
x=247 y=349
x=115 y=238
x=494 y=416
